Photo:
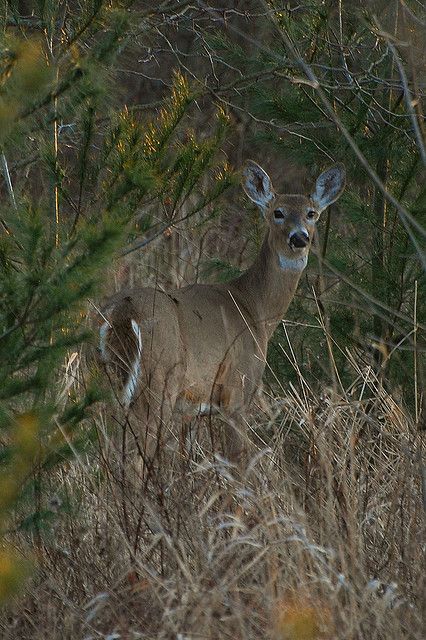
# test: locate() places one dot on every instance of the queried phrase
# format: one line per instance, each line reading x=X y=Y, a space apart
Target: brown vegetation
x=322 y=539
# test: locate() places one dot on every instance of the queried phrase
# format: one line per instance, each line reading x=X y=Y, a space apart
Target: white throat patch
x=292 y=264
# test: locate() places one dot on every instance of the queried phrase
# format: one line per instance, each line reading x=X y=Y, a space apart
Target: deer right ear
x=257 y=184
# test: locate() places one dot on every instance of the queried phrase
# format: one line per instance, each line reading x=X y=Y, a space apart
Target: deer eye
x=279 y=214
x=311 y=214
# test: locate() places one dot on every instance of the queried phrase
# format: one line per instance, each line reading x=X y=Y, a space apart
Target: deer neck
x=267 y=288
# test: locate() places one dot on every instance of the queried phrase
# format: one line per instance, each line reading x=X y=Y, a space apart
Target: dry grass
x=323 y=538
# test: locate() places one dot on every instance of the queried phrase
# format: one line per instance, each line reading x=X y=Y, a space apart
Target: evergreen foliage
x=372 y=260
x=93 y=165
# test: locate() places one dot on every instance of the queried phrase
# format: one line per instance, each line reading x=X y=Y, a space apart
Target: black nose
x=299 y=239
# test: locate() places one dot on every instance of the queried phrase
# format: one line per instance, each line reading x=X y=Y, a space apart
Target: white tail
x=202 y=348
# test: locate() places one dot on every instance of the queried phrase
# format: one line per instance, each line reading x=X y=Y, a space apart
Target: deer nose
x=298 y=239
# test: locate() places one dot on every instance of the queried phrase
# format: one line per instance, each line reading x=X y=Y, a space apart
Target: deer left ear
x=329 y=186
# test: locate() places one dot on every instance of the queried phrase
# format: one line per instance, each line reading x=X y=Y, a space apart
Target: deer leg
x=235 y=404
x=151 y=423
x=236 y=443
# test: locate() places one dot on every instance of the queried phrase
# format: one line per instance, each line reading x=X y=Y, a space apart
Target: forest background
x=123 y=130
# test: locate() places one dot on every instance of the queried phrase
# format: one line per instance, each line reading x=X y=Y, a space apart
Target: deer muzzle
x=298 y=239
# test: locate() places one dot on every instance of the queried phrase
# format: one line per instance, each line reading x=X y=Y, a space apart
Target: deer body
x=202 y=348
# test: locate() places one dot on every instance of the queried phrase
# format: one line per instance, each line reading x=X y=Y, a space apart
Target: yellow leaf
x=301 y=619
x=13 y=571
x=26 y=435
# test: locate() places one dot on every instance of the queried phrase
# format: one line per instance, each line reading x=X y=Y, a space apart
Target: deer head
x=291 y=218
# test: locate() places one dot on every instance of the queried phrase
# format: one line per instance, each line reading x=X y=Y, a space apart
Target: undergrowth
x=322 y=538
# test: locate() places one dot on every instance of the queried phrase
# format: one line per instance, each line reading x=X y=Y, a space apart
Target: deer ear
x=330 y=186
x=257 y=184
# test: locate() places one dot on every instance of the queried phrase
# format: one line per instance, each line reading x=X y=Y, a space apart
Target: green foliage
x=219 y=271
x=94 y=165
x=370 y=263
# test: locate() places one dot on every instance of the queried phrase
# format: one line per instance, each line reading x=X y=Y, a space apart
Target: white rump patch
x=103 y=332
x=132 y=382
x=292 y=264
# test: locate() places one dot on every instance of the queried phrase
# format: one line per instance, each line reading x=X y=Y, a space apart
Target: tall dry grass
x=324 y=537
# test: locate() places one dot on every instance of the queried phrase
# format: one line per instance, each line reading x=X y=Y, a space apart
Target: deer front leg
x=236 y=442
x=237 y=397
x=237 y=445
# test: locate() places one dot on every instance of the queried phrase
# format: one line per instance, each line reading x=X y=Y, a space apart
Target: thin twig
x=409 y=102
x=6 y=174
x=416 y=405
x=9 y=186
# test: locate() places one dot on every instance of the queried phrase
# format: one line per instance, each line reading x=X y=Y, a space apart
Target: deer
x=201 y=349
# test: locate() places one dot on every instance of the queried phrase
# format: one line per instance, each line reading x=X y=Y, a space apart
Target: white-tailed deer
x=202 y=348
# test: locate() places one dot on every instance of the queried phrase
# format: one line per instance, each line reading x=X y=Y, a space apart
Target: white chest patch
x=292 y=264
